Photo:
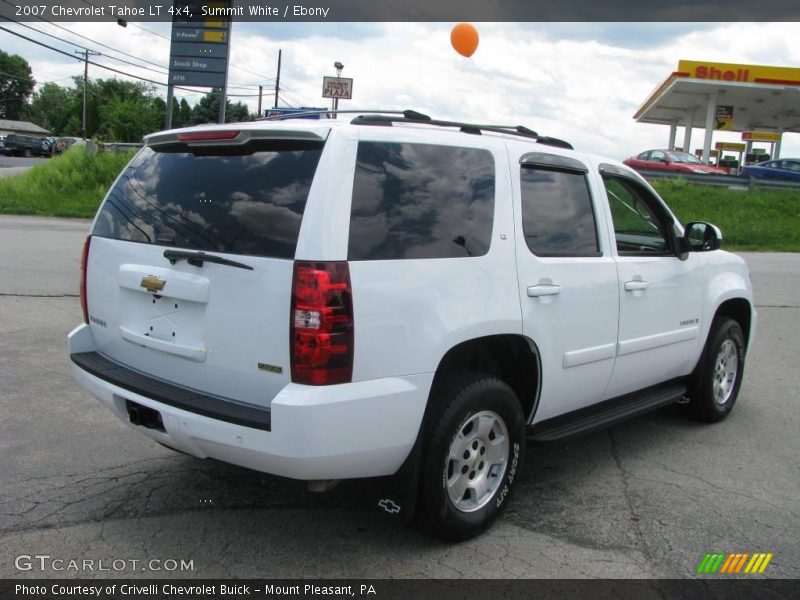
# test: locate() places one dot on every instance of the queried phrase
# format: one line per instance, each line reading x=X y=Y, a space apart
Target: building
x=8 y=126
x=762 y=102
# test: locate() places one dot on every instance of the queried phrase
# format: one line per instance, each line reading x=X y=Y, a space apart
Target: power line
x=24 y=37
x=16 y=76
x=102 y=66
x=75 y=33
x=163 y=37
x=122 y=60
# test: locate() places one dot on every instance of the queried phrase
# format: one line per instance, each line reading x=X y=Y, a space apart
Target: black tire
x=459 y=402
x=28 y=153
x=715 y=390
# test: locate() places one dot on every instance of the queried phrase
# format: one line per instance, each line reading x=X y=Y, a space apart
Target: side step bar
x=606 y=413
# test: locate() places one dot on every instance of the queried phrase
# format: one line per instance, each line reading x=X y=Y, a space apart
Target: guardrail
x=729 y=181
x=92 y=146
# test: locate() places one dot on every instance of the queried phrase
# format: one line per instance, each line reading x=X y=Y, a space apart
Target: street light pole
x=86 y=53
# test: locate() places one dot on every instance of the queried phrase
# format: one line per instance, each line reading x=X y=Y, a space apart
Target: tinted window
x=239 y=201
x=421 y=201
x=637 y=227
x=557 y=216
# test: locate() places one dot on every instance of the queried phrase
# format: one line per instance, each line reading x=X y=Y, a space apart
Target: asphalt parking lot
x=647 y=498
x=16 y=165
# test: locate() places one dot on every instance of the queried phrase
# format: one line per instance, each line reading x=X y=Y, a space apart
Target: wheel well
x=739 y=310
x=511 y=358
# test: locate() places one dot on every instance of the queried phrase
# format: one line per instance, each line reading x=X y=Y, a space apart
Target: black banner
x=383 y=589
x=407 y=10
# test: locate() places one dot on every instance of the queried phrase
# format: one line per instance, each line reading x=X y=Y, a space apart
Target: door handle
x=636 y=285
x=543 y=289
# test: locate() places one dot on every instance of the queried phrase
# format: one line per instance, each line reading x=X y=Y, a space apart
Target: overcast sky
x=578 y=81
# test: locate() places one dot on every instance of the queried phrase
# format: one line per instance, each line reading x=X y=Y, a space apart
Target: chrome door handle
x=636 y=284
x=536 y=291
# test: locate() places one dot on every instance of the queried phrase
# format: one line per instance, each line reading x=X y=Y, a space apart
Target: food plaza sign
x=337 y=87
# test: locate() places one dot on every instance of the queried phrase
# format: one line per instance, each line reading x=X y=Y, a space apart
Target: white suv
x=397 y=296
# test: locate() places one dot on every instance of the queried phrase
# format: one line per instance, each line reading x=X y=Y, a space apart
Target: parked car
x=325 y=300
x=64 y=143
x=48 y=146
x=784 y=168
x=2 y=145
x=671 y=160
x=23 y=145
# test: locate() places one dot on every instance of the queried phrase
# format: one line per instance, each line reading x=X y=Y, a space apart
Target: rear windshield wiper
x=198 y=258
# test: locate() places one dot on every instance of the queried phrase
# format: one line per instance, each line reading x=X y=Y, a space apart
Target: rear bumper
x=362 y=429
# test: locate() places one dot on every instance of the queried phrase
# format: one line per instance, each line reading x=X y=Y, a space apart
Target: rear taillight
x=84 y=265
x=322 y=323
x=208 y=136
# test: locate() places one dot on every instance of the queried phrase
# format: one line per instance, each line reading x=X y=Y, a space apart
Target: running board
x=606 y=413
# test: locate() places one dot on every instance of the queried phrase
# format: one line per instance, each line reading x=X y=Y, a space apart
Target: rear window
x=241 y=201
x=421 y=201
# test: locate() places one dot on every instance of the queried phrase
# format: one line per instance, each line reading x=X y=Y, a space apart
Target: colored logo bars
x=729 y=564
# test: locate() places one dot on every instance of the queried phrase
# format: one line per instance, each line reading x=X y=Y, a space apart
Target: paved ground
x=12 y=165
x=7 y=162
x=645 y=499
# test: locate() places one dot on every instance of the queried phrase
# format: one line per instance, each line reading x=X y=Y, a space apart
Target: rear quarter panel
x=410 y=312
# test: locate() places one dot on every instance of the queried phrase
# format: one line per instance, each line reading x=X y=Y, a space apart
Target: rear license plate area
x=143 y=416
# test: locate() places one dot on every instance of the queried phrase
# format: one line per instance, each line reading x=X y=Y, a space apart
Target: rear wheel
x=28 y=153
x=475 y=448
x=721 y=370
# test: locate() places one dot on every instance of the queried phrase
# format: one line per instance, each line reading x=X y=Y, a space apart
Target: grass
x=73 y=184
x=754 y=220
x=70 y=185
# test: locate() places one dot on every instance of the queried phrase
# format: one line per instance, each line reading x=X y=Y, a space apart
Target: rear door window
x=421 y=201
x=240 y=201
x=557 y=214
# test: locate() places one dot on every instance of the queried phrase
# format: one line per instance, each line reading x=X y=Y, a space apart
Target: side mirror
x=702 y=237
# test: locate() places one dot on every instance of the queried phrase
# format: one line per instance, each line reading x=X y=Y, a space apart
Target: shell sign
x=738 y=73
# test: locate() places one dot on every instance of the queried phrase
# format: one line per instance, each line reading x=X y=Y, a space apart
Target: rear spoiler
x=231 y=136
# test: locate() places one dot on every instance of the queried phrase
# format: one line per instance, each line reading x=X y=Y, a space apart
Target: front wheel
x=28 y=153
x=721 y=370
x=474 y=451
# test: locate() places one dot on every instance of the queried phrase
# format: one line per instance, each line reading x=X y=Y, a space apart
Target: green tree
x=53 y=106
x=207 y=109
x=119 y=110
x=16 y=85
x=184 y=116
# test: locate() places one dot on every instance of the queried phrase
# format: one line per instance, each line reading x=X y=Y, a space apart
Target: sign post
x=199 y=50
x=337 y=87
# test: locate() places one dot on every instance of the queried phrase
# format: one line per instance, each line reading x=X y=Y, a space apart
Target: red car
x=671 y=160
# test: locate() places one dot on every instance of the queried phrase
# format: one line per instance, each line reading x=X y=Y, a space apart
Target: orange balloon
x=464 y=38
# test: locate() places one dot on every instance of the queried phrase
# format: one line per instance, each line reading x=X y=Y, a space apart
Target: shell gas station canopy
x=761 y=102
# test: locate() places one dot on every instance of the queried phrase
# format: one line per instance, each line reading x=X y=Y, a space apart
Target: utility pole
x=260 y=91
x=278 y=79
x=86 y=53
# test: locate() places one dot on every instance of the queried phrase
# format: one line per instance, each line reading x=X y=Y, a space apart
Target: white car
x=397 y=296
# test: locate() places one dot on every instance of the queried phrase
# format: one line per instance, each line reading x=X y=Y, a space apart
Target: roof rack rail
x=388 y=117
x=335 y=112
x=474 y=128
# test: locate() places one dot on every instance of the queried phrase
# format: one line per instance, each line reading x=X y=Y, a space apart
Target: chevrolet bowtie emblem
x=153 y=284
